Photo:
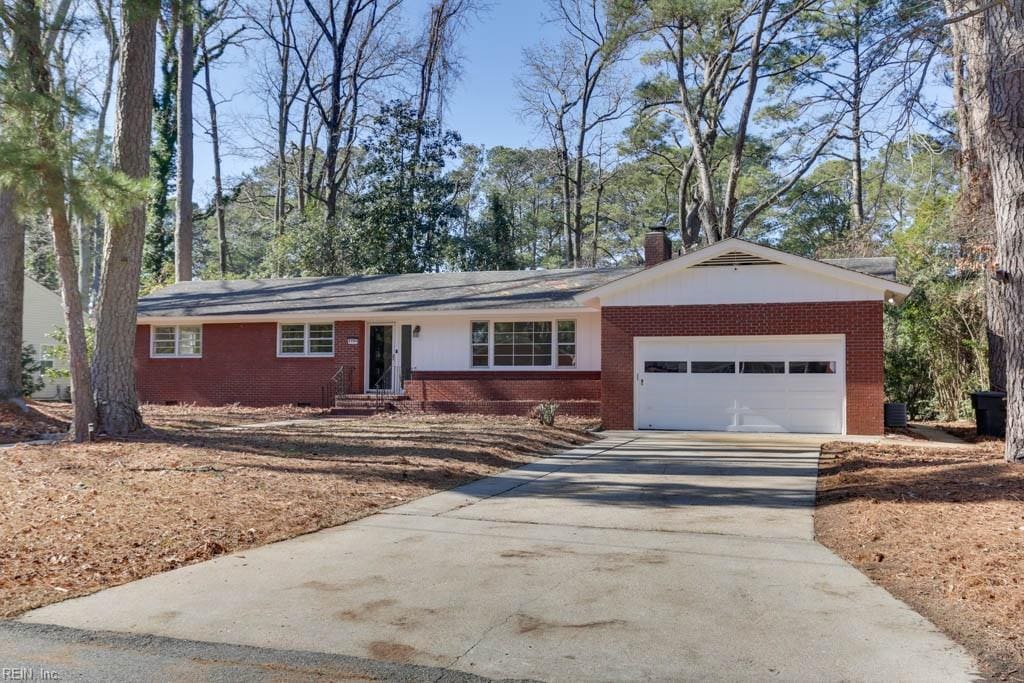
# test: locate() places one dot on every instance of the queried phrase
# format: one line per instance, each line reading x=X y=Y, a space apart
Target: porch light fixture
x=416 y=331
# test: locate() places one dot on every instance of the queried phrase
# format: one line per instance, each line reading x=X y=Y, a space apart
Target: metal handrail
x=383 y=394
x=338 y=379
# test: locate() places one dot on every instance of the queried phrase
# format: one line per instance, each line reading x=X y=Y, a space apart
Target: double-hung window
x=566 y=343
x=526 y=344
x=480 y=343
x=305 y=339
x=530 y=344
x=46 y=356
x=176 y=341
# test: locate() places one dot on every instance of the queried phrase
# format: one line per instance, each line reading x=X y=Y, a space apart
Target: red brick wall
x=860 y=321
x=525 y=408
x=491 y=385
x=657 y=248
x=240 y=365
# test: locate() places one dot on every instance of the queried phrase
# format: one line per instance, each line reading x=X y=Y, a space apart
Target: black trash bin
x=990 y=412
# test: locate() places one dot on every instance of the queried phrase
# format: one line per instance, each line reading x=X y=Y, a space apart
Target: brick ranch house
x=734 y=336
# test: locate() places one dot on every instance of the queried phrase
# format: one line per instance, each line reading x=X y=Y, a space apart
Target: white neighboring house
x=43 y=313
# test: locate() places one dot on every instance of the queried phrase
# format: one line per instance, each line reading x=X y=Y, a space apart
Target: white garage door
x=756 y=384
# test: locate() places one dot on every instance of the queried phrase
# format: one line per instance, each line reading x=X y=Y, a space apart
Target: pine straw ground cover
x=75 y=518
x=190 y=416
x=27 y=425
x=941 y=528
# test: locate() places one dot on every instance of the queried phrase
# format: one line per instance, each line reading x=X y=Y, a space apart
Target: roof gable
x=737 y=271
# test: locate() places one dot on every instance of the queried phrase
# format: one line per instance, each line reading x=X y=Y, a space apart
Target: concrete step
x=371 y=397
x=354 y=411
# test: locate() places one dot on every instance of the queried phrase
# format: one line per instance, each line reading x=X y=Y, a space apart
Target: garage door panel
x=760 y=394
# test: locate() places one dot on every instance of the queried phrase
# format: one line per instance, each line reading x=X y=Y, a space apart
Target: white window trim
x=45 y=355
x=523 y=368
x=177 y=343
x=490 y=345
x=575 y=344
x=305 y=342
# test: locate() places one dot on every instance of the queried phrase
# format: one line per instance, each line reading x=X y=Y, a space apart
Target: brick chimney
x=657 y=246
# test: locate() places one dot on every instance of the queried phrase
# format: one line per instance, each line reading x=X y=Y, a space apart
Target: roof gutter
x=344 y=314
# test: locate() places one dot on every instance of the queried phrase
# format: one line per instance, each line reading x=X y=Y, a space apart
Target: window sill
x=306 y=355
x=175 y=356
x=524 y=368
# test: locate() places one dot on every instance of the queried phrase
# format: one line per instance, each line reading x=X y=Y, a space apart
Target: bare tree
x=349 y=30
x=276 y=24
x=714 y=61
x=218 y=185
x=438 y=62
x=90 y=227
x=572 y=91
x=112 y=369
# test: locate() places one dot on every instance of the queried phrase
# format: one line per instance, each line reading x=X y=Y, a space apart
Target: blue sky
x=483 y=107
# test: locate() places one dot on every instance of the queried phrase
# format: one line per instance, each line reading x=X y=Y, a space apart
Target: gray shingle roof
x=414 y=292
x=879 y=266
x=369 y=293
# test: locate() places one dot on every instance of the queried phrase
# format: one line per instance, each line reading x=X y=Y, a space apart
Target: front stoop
x=364 y=405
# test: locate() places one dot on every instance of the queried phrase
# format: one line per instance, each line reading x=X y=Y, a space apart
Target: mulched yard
x=941 y=528
x=36 y=422
x=76 y=518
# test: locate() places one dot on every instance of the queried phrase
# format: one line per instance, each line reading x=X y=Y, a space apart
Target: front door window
x=381 y=357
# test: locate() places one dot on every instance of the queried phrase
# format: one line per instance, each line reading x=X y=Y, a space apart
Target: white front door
x=756 y=384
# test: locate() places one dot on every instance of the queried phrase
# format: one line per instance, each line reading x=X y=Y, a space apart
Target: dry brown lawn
x=36 y=422
x=200 y=417
x=79 y=517
x=963 y=429
x=941 y=528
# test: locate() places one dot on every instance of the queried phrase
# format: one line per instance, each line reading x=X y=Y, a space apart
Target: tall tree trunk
x=183 y=229
x=85 y=231
x=90 y=227
x=28 y=46
x=856 y=132
x=92 y=269
x=597 y=223
x=78 y=355
x=975 y=209
x=300 y=171
x=283 y=108
x=856 y=177
x=12 y=296
x=159 y=248
x=218 y=187
x=563 y=160
x=113 y=371
x=1004 y=33
x=435 y=33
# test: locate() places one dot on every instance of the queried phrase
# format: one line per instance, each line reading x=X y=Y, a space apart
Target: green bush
x=31 y=371
x=545 y=412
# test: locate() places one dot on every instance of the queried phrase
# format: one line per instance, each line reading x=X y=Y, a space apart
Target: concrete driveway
x=641 y=556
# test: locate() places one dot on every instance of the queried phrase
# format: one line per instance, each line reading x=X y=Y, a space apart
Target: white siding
x=444 y=343
x=43 y=313
x=740 y=285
